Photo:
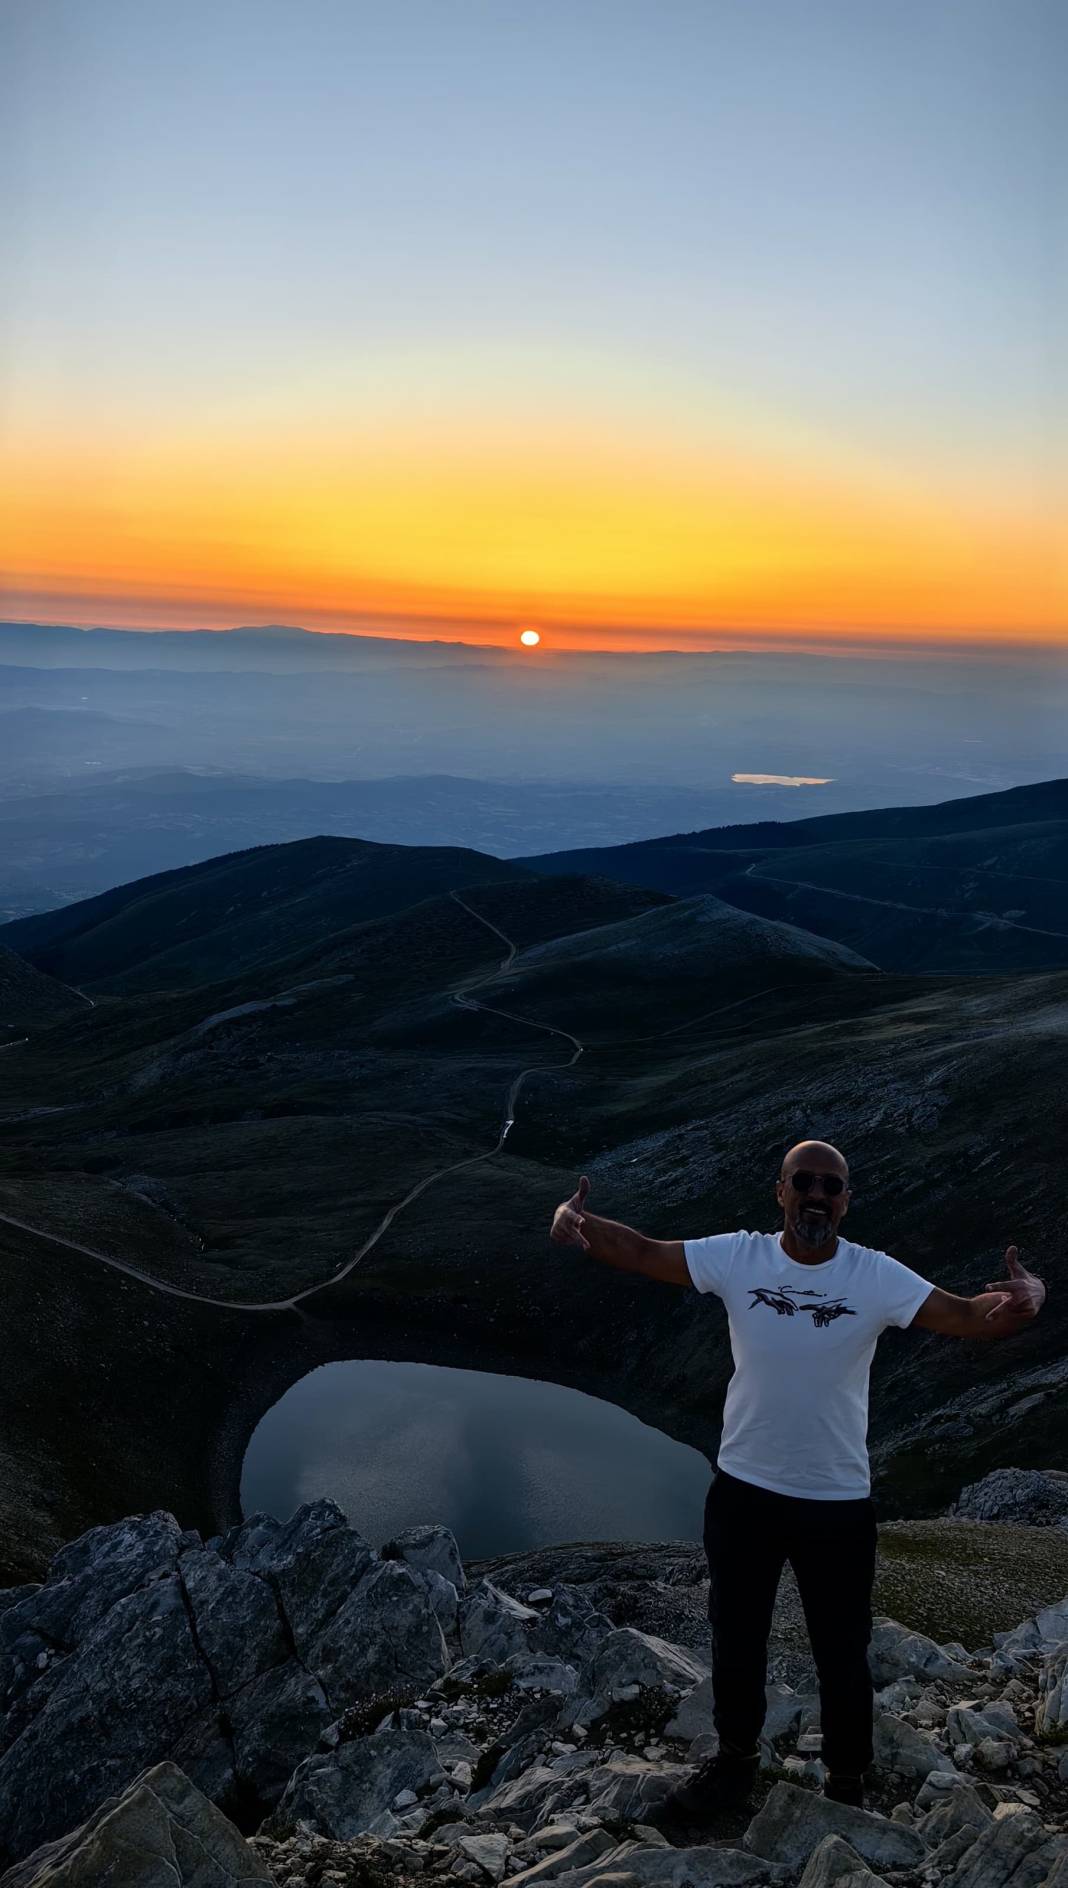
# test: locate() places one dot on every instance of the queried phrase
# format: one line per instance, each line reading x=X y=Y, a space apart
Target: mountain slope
x=972 y=885
x=29 y=999
x=209 y=921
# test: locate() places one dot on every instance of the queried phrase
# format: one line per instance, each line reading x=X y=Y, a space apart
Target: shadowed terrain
x=289 y=1045
x=972 y=885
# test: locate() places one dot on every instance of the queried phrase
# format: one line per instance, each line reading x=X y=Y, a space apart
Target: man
x=792 y=1481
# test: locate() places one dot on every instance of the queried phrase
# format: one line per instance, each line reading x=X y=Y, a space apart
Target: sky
x=645 y=323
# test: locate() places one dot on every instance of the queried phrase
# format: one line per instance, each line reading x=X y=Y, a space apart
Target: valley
x=291 y=1093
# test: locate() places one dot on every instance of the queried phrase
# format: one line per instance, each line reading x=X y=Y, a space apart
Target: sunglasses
x=803 y=1182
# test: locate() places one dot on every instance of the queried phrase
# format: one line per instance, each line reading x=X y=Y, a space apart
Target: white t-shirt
x=802 y=1337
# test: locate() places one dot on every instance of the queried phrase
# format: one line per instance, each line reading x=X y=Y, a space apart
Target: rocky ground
x=286 y=1706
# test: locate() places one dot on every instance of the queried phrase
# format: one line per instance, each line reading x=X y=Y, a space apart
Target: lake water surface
x=505 y=1462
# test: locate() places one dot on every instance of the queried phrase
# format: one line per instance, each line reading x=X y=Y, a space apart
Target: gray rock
x=493 y=1625
x=85 y=1580
x=627 y=1658
x=235 y=1617
x=314 y=1561
x=657 y=1867
x=571 y=1855
x=344 y=1792
x=897 y=1652
x=902 y=1749
x=792 y=1822
x=966 y=1725
x=833 y=1861
x=490 y=1851
x=128 y=1692
x=160 y=1833
x=570 y=1626
x=1025 y=1496
x=1051 y=1713
x=275 y=1722
x=784 y=1709
x=959 y=1809
x=939 y=1788
x=1033 y=1640
x=539 y=1671
x=444 y=1603
x=1012 y=1850
x=429 y=1550
x=385 y=1635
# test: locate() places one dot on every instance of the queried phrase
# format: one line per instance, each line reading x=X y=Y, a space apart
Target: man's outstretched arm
x=613 y=1244
x=1001 y=1310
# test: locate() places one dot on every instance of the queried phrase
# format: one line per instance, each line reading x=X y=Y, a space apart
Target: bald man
x=792 y=1482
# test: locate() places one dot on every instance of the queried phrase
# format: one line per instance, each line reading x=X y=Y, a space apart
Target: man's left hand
x=1021 y=1294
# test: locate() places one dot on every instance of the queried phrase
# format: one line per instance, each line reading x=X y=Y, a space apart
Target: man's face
x=812 y=1206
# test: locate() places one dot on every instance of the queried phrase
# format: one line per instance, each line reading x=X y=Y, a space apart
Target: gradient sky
x=646 y=322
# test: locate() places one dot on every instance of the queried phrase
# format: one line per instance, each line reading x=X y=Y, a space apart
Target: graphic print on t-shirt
x=781 y=1300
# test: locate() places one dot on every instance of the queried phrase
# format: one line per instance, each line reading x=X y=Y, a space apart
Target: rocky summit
x=284 y=1704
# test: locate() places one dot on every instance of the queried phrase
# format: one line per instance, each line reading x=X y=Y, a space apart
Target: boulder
x=902 y=1749
x=965 y=1724
x=957 y=1809
x=897 y=1652
x=429 y=1550
x=1013 y=1851
x=1032 y=1640
x=623 y=1660
x=314 y=1562
x=128 y=1693
x=1027 y=1497
x=694 y=1715
x=792 y=1822
x=570 y=1626
x=1051 y=1714
x=833 y=1864
x=235 y=1618
x=275 y=1722
x=660 y=1867
x=85 y=1580
x=576 y=1851
x=493 y=1625
x=344 y=1792
x=385 y=1636
x=161 y=1832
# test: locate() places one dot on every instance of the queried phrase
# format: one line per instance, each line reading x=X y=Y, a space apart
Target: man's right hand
x=568 y=1221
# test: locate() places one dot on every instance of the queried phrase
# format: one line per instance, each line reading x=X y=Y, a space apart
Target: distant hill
x=210 y=921
x=104 y=829
x=278 y=648
x=969 y=885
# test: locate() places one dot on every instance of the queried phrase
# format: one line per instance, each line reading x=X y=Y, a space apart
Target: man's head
x=813 y=1192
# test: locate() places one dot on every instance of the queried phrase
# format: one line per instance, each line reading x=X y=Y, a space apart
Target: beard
x=813 y=1229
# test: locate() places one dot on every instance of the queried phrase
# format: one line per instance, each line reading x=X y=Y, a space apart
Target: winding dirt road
x=463 y=998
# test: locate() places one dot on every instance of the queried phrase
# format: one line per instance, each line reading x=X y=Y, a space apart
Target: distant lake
x=506 y=1463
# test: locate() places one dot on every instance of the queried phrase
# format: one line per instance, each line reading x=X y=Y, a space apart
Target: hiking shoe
x=843 y=1789
x=724 y=1782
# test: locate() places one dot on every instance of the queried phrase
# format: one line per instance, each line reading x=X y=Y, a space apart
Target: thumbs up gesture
x=567 y=1219
x=1020 y=1295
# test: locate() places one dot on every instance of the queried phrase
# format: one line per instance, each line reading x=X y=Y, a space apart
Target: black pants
x=749 y=1534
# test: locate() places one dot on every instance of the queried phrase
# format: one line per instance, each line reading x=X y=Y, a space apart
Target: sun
x=530 y=637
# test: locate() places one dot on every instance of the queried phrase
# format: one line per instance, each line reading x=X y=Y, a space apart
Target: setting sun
x=530 y=637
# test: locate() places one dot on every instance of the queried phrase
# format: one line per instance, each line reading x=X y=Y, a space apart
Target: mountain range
x=328 y=1093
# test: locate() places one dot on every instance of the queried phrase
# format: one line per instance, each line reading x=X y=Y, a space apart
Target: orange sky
x=600 y=536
